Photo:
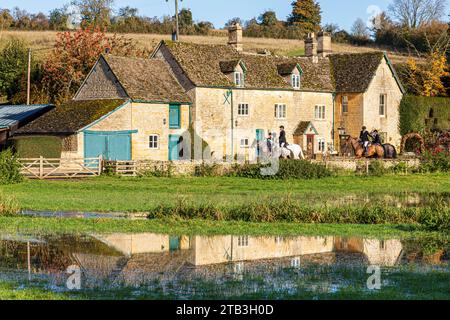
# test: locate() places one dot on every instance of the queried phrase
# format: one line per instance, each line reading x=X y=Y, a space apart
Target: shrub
x=8 y=206
x=376 y=168
x=288 y=169
x=206 y=170
x=9 y=168
x=419 y=113
x=435 y=162
x=158 y=171
x=436 y=217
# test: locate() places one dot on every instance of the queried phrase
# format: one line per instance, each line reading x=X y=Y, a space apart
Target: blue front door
x=259 y=137
x=110 y=145
x=174 y=148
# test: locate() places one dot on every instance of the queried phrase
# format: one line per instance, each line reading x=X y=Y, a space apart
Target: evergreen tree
x=306 y=15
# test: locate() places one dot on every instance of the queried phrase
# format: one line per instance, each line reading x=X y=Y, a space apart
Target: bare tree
x=416 y=13
x=360 y=30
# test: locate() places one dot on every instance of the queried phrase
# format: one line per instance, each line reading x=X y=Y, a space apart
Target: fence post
x=41 y=167
x=100 y=165
x=367 y=166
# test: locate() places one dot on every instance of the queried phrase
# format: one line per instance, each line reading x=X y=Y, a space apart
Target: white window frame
x=243 y=107
x=383 y=105
x=344 y=104
x=295 y=81
x=280 y=111
x=321 y=144
x=150 y=142
x=320 y=112
x=245 y=143
x=243 y=241
x=239 y=79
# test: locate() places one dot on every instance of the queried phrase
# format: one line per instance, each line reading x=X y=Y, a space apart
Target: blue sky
x=342 y=12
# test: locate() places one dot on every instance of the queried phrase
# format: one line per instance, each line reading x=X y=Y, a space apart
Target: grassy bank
x=53 y=226
x=107 y=194
x=12 y=291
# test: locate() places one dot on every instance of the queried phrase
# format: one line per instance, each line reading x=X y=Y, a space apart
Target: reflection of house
x=127 y=108
x=140 y=258
x=378 y=252
x=222 y=249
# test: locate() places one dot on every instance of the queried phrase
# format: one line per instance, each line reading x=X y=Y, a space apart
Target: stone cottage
x=240 y=97
x=133 y=108
x=127 y=108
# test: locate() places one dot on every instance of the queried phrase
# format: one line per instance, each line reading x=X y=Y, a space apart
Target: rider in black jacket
x=282 y=138
x=364 y=138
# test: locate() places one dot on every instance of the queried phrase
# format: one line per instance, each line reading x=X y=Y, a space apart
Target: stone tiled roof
x=202 y=65
x=207 y=65
x=71 y=116
x=301 y=127
x=354 y=72
x=147 y=79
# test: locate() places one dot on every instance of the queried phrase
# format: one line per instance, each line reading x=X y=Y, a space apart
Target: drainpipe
x=232 y=125
x=333 y=126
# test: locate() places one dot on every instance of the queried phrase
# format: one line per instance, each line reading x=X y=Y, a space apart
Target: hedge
x=36 y=146
x=419 y=113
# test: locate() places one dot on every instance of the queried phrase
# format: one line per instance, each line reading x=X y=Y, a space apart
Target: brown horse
x=373 y=151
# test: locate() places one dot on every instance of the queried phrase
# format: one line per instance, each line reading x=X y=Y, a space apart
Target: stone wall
x=190 y=168
x=215 y=116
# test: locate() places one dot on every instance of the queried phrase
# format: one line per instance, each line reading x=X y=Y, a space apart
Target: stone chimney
x=311 y=45
x=235 y=37
x=324 y=44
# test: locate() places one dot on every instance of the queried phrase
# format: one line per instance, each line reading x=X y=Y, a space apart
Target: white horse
x=293 y=151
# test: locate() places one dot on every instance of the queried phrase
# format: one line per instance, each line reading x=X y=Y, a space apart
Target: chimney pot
x=324 y=44
x=235 y=37
x=311 y=45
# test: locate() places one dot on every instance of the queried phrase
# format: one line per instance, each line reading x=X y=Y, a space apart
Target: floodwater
x=159 y=266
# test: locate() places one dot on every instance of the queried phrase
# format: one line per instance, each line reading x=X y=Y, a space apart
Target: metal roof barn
x=18 y=115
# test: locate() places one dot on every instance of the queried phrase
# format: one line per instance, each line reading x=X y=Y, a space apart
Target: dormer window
x=235 y=70
x=295 y=81
x=292 y=73
x=239 y=79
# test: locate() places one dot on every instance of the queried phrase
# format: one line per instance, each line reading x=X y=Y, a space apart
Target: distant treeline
x=389 y=30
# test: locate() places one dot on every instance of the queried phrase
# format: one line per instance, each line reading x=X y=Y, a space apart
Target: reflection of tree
x=429 y=249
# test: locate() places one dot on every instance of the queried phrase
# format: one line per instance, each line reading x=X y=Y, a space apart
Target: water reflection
x=147 y=258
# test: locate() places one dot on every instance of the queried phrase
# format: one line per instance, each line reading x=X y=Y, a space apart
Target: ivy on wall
x=418 y=113
x=36 y=146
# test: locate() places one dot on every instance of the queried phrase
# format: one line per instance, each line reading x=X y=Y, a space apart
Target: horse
x=386 y=151
x=292 y=151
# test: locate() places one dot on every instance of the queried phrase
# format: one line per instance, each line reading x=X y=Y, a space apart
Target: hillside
x=43 y=39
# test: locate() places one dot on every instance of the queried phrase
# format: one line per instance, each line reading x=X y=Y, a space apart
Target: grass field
x=110 y=194
x=44 y=39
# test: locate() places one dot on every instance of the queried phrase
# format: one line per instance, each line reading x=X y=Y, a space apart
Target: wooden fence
x=47 y=168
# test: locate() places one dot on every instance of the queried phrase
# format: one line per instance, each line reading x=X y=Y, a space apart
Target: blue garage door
x=111 y=145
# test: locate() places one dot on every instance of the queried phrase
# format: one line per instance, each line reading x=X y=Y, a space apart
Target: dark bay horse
x=386 y=151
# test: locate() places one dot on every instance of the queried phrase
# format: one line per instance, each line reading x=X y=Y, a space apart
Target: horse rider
x=376 y=137
x=364 y=138
x=282 y=138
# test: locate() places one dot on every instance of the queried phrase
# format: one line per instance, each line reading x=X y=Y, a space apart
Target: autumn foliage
x=426 y=79
x=73 y=56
